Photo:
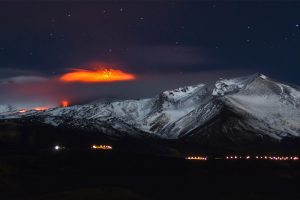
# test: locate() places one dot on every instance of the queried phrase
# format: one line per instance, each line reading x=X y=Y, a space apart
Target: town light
x=58 y=148
x=196 y=158
x=102 y=147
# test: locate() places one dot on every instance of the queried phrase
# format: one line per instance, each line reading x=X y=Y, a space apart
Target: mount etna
x=240 y=113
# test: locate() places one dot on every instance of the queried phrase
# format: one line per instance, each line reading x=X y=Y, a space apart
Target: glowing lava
x=94 y=76
x=23 y=111
x=65 y=103
x=40 y=108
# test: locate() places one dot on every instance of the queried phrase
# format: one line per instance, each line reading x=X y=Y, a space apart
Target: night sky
x=164 y=44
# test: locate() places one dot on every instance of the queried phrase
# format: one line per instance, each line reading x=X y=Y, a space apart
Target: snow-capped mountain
x=6 y=109
x=233 y=109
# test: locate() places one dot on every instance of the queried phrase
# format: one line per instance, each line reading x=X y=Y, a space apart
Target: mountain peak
x=260 y=106
x=228 y=86
x=262 y=76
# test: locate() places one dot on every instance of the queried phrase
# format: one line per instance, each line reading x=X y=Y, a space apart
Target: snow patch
x=263 y=76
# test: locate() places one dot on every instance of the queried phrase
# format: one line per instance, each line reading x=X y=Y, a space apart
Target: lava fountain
x=94 y=76
x=65 y=103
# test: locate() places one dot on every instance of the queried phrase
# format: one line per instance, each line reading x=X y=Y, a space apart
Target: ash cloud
x=51 y=92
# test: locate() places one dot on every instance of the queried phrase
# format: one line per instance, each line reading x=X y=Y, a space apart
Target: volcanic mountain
x=251 y=108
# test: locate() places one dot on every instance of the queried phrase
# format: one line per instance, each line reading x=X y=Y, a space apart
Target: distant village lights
x=196 y=158
x=262 y=158
x=102 y=147
x=238 y=157
x=205 y=158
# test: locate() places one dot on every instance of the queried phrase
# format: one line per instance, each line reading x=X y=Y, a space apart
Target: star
x=121 y=9
x=142 y=18
x=68 y=14
x=297 y=25
x=176 y=42
x=51 y=34
x=248 y=27
x=248 y=40
x=110 y=50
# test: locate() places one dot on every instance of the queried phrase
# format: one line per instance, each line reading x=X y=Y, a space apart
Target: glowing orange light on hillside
x=102 y=147
x=23 y=111
x=65 y=103
x=94 y=76
x=40 y=108
x=196 y=158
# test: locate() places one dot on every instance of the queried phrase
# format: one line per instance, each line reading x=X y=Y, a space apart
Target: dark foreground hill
x=90 y=175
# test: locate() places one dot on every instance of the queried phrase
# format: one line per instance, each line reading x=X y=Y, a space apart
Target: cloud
x=22 y=79
x=19 y=76
x=11 y=72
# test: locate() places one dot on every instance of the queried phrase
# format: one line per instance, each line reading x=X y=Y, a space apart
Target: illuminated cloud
x=95 y=76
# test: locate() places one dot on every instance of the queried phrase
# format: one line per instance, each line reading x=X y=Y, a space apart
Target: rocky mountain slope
x=240 y=109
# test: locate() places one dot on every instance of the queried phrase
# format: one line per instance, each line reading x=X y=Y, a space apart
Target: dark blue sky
x=151 y=39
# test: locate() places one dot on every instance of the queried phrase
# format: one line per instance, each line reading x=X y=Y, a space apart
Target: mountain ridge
x=259 y=108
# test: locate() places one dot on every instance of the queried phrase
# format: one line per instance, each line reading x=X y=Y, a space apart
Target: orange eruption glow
x=23 y=111
x=40 y=108
x=94 y=76
x=65 y=103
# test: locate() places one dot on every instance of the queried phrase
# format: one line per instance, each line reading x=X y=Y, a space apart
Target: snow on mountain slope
x=260 y=105
x=227 y=86
x=270 y=103
x=4 y=109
